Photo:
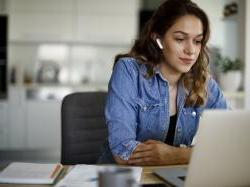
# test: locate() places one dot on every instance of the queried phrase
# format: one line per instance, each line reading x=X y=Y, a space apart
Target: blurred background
x=50 y=48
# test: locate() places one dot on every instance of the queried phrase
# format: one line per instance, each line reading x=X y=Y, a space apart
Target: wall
x=2 y=6
x=234 y=34
x=214 y=9
x=227 y=34
x=247 y=57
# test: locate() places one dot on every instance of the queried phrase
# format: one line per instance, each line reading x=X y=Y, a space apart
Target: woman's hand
x=120 y=161
x=154 y=152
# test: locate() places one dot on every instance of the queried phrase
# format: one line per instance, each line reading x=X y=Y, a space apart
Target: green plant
x=225 y=64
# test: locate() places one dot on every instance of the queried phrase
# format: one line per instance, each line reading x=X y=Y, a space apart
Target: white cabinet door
x=32 y=26
x=3 y=125
x=17 y=118
x=60 y=6
x=111 y=29
x=90 y=21
x=36 y=20
x=43 y=124
x=112 y=21
x=112 y=7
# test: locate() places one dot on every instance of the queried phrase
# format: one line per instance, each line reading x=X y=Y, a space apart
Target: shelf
x=70 y=43
x=48 y=92
x=58 y=85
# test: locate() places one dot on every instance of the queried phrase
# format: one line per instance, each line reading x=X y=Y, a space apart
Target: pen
x=56 y=170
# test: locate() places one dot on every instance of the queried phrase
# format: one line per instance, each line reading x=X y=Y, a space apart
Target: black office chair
x=83 y=127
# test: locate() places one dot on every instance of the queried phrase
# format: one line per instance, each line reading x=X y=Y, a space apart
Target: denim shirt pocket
x=149 y=111
x=192 y=117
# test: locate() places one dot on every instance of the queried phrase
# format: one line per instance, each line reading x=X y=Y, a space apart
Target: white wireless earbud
x=158 y=41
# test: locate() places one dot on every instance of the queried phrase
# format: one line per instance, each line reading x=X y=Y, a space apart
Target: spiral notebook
x=30 y=173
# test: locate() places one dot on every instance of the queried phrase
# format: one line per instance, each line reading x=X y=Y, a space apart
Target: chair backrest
x=83 y=127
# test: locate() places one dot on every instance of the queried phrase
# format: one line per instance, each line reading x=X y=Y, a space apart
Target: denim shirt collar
x=182 y=92
x=158 y=72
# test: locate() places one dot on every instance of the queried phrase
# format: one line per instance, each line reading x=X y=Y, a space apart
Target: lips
x=187 y=60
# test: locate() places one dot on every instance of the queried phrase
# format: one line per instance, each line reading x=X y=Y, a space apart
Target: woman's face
x=182 y=44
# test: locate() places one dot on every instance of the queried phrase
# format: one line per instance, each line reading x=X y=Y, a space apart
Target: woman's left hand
x=154 y=152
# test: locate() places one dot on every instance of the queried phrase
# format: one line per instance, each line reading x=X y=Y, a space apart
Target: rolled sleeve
x=124 y=150
x=121 y=109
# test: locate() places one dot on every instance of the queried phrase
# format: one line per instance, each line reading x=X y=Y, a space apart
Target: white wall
x=1 y=6
x=247 y=57
x=226 y=33
x=214 y=9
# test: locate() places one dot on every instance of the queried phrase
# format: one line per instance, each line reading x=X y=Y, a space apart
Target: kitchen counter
x=58 y=92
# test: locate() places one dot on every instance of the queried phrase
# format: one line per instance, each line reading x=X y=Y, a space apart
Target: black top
x=171 y=130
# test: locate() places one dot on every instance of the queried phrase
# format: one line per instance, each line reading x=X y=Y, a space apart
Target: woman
x=159 y=89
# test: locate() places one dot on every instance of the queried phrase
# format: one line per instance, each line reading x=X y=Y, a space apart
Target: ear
x=155 y=37
x=158 y=41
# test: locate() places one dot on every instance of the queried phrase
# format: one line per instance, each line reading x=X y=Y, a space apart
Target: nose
x=189 y=48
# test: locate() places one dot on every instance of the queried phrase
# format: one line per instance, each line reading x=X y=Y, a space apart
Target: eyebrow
x=184 y=33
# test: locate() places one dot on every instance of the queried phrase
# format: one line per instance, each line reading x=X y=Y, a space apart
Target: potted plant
x=230 y=72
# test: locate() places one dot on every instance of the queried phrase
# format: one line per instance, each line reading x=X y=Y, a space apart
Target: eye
x=197 y=42
x=179 y=39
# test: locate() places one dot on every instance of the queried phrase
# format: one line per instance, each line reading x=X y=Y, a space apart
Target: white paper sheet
x=87 y=175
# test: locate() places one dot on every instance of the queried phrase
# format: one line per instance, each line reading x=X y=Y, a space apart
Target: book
x=30 y=173
x=87 y=175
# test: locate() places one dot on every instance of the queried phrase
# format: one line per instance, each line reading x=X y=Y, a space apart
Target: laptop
x=221 y=156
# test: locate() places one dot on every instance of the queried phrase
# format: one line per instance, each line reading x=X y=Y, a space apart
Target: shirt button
x=193 y=113
x=178 y=130
x=144 y=108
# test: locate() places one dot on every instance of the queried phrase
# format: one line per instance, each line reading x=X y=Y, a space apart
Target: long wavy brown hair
x=146 y=51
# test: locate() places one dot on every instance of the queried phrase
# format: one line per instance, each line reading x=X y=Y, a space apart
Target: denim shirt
x=137 y=109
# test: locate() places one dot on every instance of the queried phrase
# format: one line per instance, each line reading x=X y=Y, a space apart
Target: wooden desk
x=147 y=177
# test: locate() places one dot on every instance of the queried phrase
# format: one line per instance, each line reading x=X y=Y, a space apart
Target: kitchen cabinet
x=112 y=21
x=29 y=120
x=115 y=29
x=12 y=120
x=33 y=26
x=35 y=20
x=29 y=123
x=43 y=124
x=112 y=7
x=59 y=6
x=3 y=124
x=17 y=118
